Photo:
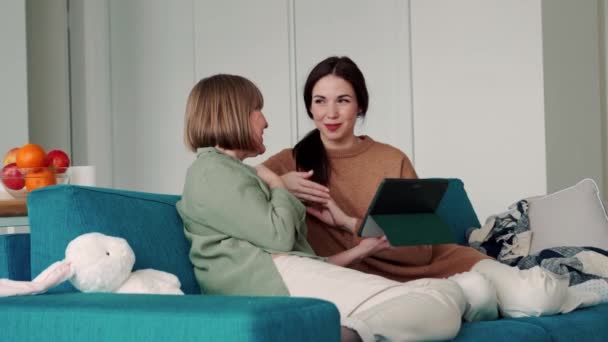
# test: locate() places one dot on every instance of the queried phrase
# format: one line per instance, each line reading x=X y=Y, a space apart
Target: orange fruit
x=39 y=178
x=31 y=155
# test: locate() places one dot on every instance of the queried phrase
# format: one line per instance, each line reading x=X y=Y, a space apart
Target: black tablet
x=405 y=211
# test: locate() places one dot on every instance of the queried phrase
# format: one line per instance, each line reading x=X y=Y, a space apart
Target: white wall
x=603 y=66
x=231 y=37
x=158 y=52
x=483 y=92
x=151 y=67
x=572 y=74
x=92 y=131
x=13 y=82
x=375 y=34
x=48 y=74
x=477 y=68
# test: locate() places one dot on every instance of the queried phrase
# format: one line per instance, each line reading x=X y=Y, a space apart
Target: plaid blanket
x=507 y=237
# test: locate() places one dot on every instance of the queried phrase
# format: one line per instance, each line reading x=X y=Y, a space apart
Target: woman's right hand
x=333 y=215
x=300 y=185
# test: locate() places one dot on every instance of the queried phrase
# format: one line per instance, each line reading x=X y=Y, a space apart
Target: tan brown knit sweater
x=355 y=175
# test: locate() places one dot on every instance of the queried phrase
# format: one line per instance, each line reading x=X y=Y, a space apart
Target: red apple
x=10 y=156
x=12 y=177
x=58 y=160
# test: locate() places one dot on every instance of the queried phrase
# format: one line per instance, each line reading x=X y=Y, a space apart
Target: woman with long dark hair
x=331 y=165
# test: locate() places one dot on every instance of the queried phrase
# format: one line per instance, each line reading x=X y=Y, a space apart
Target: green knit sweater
x=235 y=222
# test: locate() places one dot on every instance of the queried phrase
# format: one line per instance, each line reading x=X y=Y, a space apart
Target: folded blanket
x=507 y=236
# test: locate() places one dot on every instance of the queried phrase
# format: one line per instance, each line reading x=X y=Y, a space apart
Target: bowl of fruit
x=29 y=167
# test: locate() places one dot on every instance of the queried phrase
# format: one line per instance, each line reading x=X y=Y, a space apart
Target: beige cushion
x=574 y=216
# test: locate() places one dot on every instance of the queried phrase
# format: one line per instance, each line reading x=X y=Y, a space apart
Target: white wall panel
x=151 y=45
x=478 y=97
x=13 y=82
x=48 y=74
x=251 y=39
x=572 y=92
x=91 y=128
x=375 y=34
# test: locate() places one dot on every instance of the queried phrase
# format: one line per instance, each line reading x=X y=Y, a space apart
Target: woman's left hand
x=332 y=215
x=373 y=245
x=300 y=185
x=269 y=177
x=365 y=248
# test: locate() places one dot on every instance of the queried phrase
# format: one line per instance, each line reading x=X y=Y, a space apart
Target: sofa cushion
x=149 y=222
x=587 y=325
x=191 y=318
x=574 y=216
x=456 y=210
x=15 y=256
x=502 y=330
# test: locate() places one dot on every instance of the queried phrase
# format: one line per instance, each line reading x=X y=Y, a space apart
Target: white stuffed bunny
x=95 y=262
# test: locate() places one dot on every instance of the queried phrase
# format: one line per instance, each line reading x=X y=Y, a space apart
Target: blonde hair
x=218 y=113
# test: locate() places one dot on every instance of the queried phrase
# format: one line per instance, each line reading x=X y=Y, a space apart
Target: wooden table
x=13 y=207
x=13 y=215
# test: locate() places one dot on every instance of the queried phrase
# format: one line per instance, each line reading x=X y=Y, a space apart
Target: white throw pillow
x=574 y=216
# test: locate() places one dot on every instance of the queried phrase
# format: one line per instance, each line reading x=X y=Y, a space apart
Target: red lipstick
x=332 y=127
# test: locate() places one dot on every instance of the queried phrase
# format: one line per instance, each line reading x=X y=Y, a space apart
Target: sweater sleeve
x=232 y=202
x=407 y=169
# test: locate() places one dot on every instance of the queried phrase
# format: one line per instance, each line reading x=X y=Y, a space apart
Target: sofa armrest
x=15 y=256
x=128 y=317
x=456 y=210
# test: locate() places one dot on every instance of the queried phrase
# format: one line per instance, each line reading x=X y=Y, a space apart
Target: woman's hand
x=332 y=215
x=272 y=179
x=366 y=247
x=299 y=185
x=373 y=245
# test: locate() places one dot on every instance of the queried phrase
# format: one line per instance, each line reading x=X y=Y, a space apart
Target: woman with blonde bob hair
x=218 y=113
x=248 y=233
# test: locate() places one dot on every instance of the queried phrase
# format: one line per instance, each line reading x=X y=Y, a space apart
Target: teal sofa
x=150 y=223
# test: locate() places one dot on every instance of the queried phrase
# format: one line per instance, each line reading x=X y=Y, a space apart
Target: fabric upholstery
x=149 y=222
x=503 y=330
x=587 y=325
x=100 y=317
x=15 y=256
x=456 y=210
x=574 y=216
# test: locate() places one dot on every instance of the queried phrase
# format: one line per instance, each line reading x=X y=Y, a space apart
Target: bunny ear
x=55 y=274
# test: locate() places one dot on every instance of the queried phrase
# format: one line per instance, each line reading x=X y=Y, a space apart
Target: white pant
x=376 y=307
x=491 y=287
